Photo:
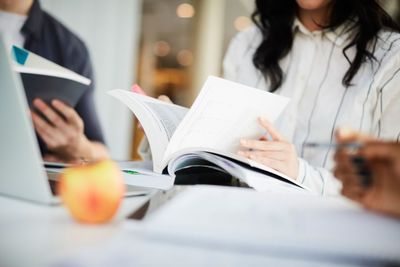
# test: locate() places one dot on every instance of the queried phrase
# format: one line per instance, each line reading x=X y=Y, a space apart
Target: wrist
x=83 y=149
x=294 y=170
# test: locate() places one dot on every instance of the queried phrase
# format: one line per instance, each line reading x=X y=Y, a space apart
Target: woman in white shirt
x=338 y=61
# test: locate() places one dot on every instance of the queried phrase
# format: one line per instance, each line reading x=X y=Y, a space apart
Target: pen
x=350 y=145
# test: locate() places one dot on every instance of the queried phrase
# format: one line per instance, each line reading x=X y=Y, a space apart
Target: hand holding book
x=53 y=92
x=62 y=131
x=277 y=153
x=207 y=136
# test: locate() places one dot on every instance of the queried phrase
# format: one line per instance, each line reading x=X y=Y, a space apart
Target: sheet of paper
x=36 y=64
x=223 y=113
x=159 y=120
x=306 y=225
x=153 y=180
x=254 y=178
x=130 y=248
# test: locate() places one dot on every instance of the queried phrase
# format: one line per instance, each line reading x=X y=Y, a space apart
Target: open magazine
x=47 y=80
x=207 y=135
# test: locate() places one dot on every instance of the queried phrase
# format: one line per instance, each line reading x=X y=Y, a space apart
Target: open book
x=46 y=80
x=208 y=134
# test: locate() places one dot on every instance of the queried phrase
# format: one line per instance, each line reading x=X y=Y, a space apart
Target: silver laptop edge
x=21 y=171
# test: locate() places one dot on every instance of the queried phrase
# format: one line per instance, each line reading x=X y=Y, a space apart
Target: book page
x=289 y=224
x=223 y=113
x=159 y=120
x=35 y=64
x=260 y=181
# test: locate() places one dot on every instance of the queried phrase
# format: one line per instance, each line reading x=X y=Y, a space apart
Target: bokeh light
x=185 y=10
x=185 y=57
x=241 y=23
x=161 y=48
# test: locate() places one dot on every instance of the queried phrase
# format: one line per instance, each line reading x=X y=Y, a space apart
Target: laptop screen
x=22 y=173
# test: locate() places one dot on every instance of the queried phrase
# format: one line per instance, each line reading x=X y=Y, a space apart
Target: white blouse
x=320 y=103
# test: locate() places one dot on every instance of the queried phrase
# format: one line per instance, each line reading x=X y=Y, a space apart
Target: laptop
x=22 y=173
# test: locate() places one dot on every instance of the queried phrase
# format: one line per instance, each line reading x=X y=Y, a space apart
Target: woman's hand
x=349 y=167
x=165 y=99
x=371 y=175
x=383 y=194
x=278 y=153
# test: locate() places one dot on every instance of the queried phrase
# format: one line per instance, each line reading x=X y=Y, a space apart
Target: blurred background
x=167 y=47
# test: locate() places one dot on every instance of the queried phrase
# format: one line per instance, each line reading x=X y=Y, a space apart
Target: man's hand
x=63 y=134
x=277 y=153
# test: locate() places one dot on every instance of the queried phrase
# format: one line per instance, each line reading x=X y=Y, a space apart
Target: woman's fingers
x=355 y=193
x=165 y=99
x=346 y=134
x=278 y=155
x=271 y=129
x=381 y=151
x=346 y=163
x=261 y=145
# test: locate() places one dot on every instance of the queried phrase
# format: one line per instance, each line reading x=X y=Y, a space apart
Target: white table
x=36 y=235
x=39 y=235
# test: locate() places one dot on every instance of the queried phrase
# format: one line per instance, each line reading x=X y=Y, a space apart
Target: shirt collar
x=338 y=35
x=33 y=24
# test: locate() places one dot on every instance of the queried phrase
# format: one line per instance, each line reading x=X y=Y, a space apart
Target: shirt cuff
x=301 y=176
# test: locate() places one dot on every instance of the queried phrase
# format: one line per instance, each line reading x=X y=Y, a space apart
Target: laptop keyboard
x=131 y=190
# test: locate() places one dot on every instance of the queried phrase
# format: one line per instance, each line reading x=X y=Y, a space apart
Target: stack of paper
x=285 y=224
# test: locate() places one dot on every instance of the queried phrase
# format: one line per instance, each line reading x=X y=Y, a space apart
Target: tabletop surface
x=34 y=233
x=43 y=235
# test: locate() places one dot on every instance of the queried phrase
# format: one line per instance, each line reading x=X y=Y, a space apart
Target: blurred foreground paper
x=130 y=248
x=219 y=226
x=298 y=225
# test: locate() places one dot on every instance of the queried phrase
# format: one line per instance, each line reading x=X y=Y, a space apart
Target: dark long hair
x=274 y=18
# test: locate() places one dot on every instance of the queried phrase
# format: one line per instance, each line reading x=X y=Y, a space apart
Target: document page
x=159 y=120
x=223 y=113
x=290 y=224
x=128 y=247
x=35 y=64
x=170 y=115
x=254 y=178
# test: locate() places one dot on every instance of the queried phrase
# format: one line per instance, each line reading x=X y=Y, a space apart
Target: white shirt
x=313 y=73
x=10 y=27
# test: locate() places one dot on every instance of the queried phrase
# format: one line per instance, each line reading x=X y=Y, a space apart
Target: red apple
x=92 y=192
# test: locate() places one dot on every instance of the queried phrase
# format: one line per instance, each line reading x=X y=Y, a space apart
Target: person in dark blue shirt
x=77 y=133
